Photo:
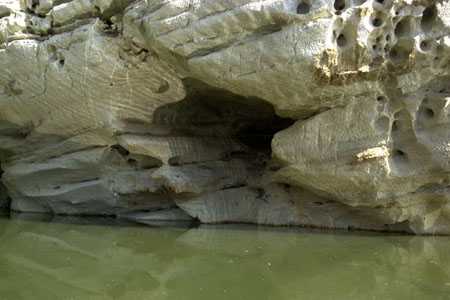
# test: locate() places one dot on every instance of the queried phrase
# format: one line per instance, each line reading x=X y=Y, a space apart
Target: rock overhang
x=366 y=83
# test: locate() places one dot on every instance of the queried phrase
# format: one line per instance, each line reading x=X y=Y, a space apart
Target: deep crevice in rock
x=212 y=112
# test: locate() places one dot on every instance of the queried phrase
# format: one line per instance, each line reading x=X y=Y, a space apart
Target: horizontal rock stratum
x=319 y=113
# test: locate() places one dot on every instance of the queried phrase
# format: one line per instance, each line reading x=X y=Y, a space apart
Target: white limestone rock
x=328 y=113
x=95 y=182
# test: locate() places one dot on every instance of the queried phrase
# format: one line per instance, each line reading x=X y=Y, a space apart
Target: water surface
x=41 y=260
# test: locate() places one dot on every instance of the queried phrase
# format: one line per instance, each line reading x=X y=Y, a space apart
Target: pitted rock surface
x=316 y=113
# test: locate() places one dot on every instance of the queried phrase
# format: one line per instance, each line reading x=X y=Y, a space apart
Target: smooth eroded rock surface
x=282 y=112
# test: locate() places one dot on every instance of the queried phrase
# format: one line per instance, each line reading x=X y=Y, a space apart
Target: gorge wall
x=317 y=113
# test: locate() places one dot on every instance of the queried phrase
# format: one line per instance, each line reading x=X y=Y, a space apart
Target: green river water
x=60 y=260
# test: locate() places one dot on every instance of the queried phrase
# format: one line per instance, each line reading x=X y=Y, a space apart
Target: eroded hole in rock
x=395 y=125
x=404 y=27
x=341 y=40
x=303 y=8
x=34 y=4
x=381 y=99
x=426 y=107
x=399 y=156
x=339 y=5
x=426 y=113
x=214 y=114
x=400 y=52
x=425 y=45
x=402 y=122
x=428 y=18
x=377 y=21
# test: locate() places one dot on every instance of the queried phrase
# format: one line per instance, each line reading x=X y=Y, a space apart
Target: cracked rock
x=328 y=113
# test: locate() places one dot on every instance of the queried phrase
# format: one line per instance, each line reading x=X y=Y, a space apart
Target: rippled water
x=40 y=260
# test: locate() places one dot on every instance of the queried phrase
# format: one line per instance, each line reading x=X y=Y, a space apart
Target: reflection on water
x=40 y=260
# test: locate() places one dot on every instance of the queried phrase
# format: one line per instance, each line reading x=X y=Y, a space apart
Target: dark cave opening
x=5 y=200
x=211 y=112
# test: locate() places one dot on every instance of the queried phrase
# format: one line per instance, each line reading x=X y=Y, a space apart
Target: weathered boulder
x=329 y=113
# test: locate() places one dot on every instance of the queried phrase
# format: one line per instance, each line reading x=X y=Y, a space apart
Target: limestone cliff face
x=282 y=112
